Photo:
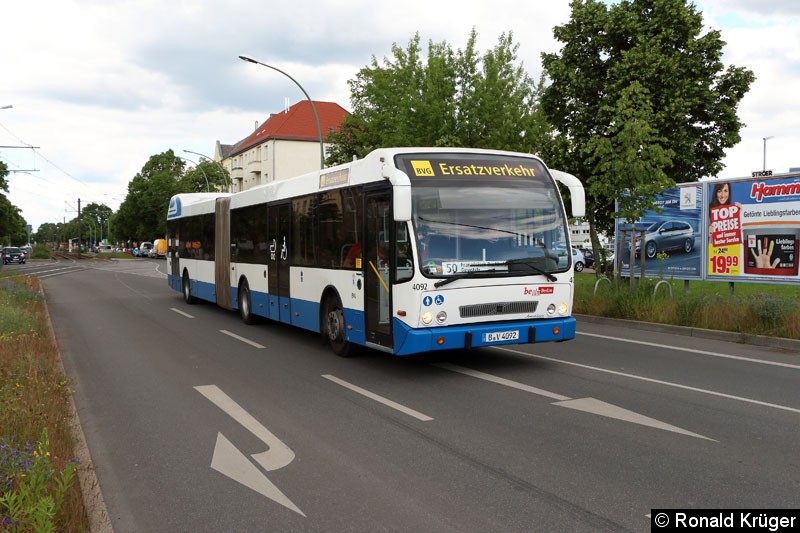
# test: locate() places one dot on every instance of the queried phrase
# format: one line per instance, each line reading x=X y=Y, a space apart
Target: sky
x=99 y=86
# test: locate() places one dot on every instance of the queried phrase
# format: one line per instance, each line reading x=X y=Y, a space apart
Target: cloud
x=101 y=85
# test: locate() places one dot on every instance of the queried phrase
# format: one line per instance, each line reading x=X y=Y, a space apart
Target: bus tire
x=245 y=305
x=187 y=290
x=334 y=327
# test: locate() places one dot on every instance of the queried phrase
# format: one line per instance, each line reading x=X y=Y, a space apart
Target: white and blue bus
x=408 y=250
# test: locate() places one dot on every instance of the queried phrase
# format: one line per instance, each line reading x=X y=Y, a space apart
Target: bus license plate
x=497 y=336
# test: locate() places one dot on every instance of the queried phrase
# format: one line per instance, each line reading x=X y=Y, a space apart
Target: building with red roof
x=286 y=144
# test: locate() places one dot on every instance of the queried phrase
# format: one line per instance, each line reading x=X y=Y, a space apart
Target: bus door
x=280 y=220
x=173 y=253
x=377 y=253
x=222 y=253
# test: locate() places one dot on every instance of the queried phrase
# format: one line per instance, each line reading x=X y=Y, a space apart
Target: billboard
x=740 y=229
x=753 y=228
x=673 y=238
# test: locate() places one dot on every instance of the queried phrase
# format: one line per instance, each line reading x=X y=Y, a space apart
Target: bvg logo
x=422 y=168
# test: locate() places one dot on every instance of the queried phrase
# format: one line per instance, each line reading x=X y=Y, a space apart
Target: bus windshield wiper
x=462 y=275
x=528 y=263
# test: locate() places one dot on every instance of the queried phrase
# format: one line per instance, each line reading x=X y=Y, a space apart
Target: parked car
x=667 y=235
x=588 y=256
x=578 y=261
x=105 y=249
x=12 y=254
x=144 y=249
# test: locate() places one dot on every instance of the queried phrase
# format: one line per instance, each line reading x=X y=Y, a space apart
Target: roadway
x=197 y=422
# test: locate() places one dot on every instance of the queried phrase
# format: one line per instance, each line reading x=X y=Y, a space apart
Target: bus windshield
x=486 y=217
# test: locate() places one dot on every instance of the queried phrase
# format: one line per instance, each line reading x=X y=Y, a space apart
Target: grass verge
x=772 y=310
x=39 y=490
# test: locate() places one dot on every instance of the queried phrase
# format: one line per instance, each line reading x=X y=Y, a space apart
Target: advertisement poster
x=672 y=238
x=753 y=228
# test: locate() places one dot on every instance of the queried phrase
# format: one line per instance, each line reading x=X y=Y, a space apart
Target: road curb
x=730 y=336
x=93 y=502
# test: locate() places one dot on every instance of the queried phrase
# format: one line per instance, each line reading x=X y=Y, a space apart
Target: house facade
x=286 y=144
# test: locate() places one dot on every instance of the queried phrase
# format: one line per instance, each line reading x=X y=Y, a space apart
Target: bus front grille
x=498 y=308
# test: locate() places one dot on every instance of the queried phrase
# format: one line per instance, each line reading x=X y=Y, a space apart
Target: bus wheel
x=335 y=327
x=187 y=291
x=245 y=307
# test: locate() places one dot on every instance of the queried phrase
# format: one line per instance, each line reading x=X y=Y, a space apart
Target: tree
x=448 y=98
x=3 y=175
x=49 y=232
x=646 y=61
x=12 y=225
x=96 y=216
x=142 y=215
x=207 y=176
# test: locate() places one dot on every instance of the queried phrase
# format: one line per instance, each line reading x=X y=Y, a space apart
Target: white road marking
x=187 y=315
x=58 y=272
x=237 y=337
x=501 y=381
x=591 y=405
x=588 y=405
x=692 y=350
x=278 y=455
x=379 y=399
x=651 y=380
x=230 y=461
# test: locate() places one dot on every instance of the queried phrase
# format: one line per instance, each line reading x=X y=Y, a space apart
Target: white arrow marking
x=278 y=455
x=597 y=407
x=501 y=381
x=230 y=461
x=588 y=405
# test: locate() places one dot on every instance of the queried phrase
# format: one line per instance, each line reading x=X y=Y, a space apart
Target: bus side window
x=404 y=269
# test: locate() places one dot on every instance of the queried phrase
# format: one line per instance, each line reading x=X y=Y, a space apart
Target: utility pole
x=80 y=241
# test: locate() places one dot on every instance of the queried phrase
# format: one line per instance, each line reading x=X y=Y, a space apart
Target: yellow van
x=159 y=250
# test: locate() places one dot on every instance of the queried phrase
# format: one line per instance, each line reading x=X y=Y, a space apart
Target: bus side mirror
x=401 y=192
x=575 y=191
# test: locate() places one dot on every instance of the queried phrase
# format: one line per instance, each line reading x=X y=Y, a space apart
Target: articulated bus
x=408 y=250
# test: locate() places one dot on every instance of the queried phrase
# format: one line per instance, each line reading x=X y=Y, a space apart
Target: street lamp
x=765 y=150
x=224 y=172
x=314 y=109
x=197 y=166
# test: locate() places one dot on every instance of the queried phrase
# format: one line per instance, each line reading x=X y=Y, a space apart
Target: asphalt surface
x=197 y=422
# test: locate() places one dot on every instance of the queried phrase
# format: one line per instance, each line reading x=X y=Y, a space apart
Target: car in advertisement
x=667 y=236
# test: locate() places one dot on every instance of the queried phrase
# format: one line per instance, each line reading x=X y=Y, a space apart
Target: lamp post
x=197 y=166
x=314 y=109
x=224 y=172
x=765 y=150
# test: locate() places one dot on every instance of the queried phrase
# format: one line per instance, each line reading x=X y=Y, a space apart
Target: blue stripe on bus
x=407 y=340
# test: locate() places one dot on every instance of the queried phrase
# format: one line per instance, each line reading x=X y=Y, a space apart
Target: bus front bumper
x=408 y=341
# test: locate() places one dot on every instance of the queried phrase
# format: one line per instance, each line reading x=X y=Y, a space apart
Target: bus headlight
x=551 y=309
x=441 y=317
x=427 y=317
x=563 y=308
